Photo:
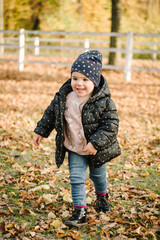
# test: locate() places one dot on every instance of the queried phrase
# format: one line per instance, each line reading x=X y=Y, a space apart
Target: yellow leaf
x=65 y=214
x=116 y=179
x=65 y=197
x=153 y=196
x=121 y=230
x=13 y=193
x=145 y=174
x=128 y=166
x=10 y=225
x=56 y=224
x=10 y=209
x=89 y=200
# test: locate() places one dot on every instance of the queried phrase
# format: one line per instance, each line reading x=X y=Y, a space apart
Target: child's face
x=81 y=85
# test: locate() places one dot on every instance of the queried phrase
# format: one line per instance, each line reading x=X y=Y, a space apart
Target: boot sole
x=106 y=211
x=70 y=224
x=100 y=210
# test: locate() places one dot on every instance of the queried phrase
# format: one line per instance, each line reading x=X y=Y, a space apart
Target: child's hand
x=37 y=139
x=90 y=149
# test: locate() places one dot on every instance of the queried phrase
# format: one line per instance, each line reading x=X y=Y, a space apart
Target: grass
x=147 y=177
x=133 y=178
x=16 y=203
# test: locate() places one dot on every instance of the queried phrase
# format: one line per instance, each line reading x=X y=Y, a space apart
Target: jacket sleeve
x=46 y=124
x=105 y=135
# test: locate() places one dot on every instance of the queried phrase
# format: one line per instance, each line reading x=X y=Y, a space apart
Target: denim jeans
x=78 y=174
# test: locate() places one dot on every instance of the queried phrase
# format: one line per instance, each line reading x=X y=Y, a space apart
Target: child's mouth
x=80 y=89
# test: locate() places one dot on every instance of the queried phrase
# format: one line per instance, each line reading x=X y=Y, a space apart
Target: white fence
x=25 y=43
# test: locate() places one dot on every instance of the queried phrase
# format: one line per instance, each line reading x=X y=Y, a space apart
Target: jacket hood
x=101 y=91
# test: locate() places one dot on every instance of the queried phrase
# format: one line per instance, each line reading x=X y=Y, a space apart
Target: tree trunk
x=115 y=27
x=1 y=27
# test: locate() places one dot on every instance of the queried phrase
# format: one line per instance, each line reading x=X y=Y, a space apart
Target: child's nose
x=79 y=82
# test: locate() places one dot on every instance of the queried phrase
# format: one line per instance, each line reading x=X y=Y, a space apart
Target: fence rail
x=69 y=44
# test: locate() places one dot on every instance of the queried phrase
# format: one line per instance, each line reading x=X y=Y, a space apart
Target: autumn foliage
x=35 y=197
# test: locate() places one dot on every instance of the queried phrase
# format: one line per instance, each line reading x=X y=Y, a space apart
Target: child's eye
x=74 y=78
x=85 y=79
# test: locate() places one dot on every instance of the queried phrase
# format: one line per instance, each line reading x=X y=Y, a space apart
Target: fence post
x=21 y=49
x=86 y=45
x=36 y=44
x=128 y=57
x=154 y=55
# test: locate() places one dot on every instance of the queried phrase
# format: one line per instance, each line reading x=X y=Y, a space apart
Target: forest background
x=81 y=15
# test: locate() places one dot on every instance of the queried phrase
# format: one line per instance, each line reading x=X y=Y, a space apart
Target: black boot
x=102 y=204
x=78 y=218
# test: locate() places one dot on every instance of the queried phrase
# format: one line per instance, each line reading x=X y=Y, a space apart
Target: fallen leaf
x=16 y=165
x=150 y=233
x=106 y=234
x=153 y=196
x=104 y=218
x=60 y=233
x=145 y=174
x=119 y=220
x=121 y=230
x=25 y=238
x=39 y=188
x=128 y=166
x=89 y=200
x=4 y=212
x=121 y=237
x=51 y=215
x=32 y=234
x=65 y=214
x=56 y=223
x=26 y=211
x=75 y=235
x=47 y=198
x=10 y=209
x=2 y=227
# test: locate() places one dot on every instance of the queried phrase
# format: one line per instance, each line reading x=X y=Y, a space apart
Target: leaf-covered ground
x=35 y=196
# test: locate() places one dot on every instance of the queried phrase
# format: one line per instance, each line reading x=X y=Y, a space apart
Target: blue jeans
x=78 y=174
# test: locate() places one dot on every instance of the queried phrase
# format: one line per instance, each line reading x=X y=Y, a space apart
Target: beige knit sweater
x=75 y=140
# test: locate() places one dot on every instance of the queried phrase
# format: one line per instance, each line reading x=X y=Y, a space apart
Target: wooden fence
x=45 y=44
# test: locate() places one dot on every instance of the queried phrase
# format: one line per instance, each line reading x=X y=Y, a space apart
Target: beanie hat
x=90 y=65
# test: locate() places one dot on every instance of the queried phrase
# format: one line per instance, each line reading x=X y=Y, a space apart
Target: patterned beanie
x=90 y=65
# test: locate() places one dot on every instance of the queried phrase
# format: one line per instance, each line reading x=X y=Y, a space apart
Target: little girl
x=86 y=121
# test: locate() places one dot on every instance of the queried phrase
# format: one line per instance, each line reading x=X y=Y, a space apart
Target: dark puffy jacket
x=99 y=119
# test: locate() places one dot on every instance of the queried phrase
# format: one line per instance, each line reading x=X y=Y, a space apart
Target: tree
x=1 y=27
x=115 y=27
x=36 y=7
